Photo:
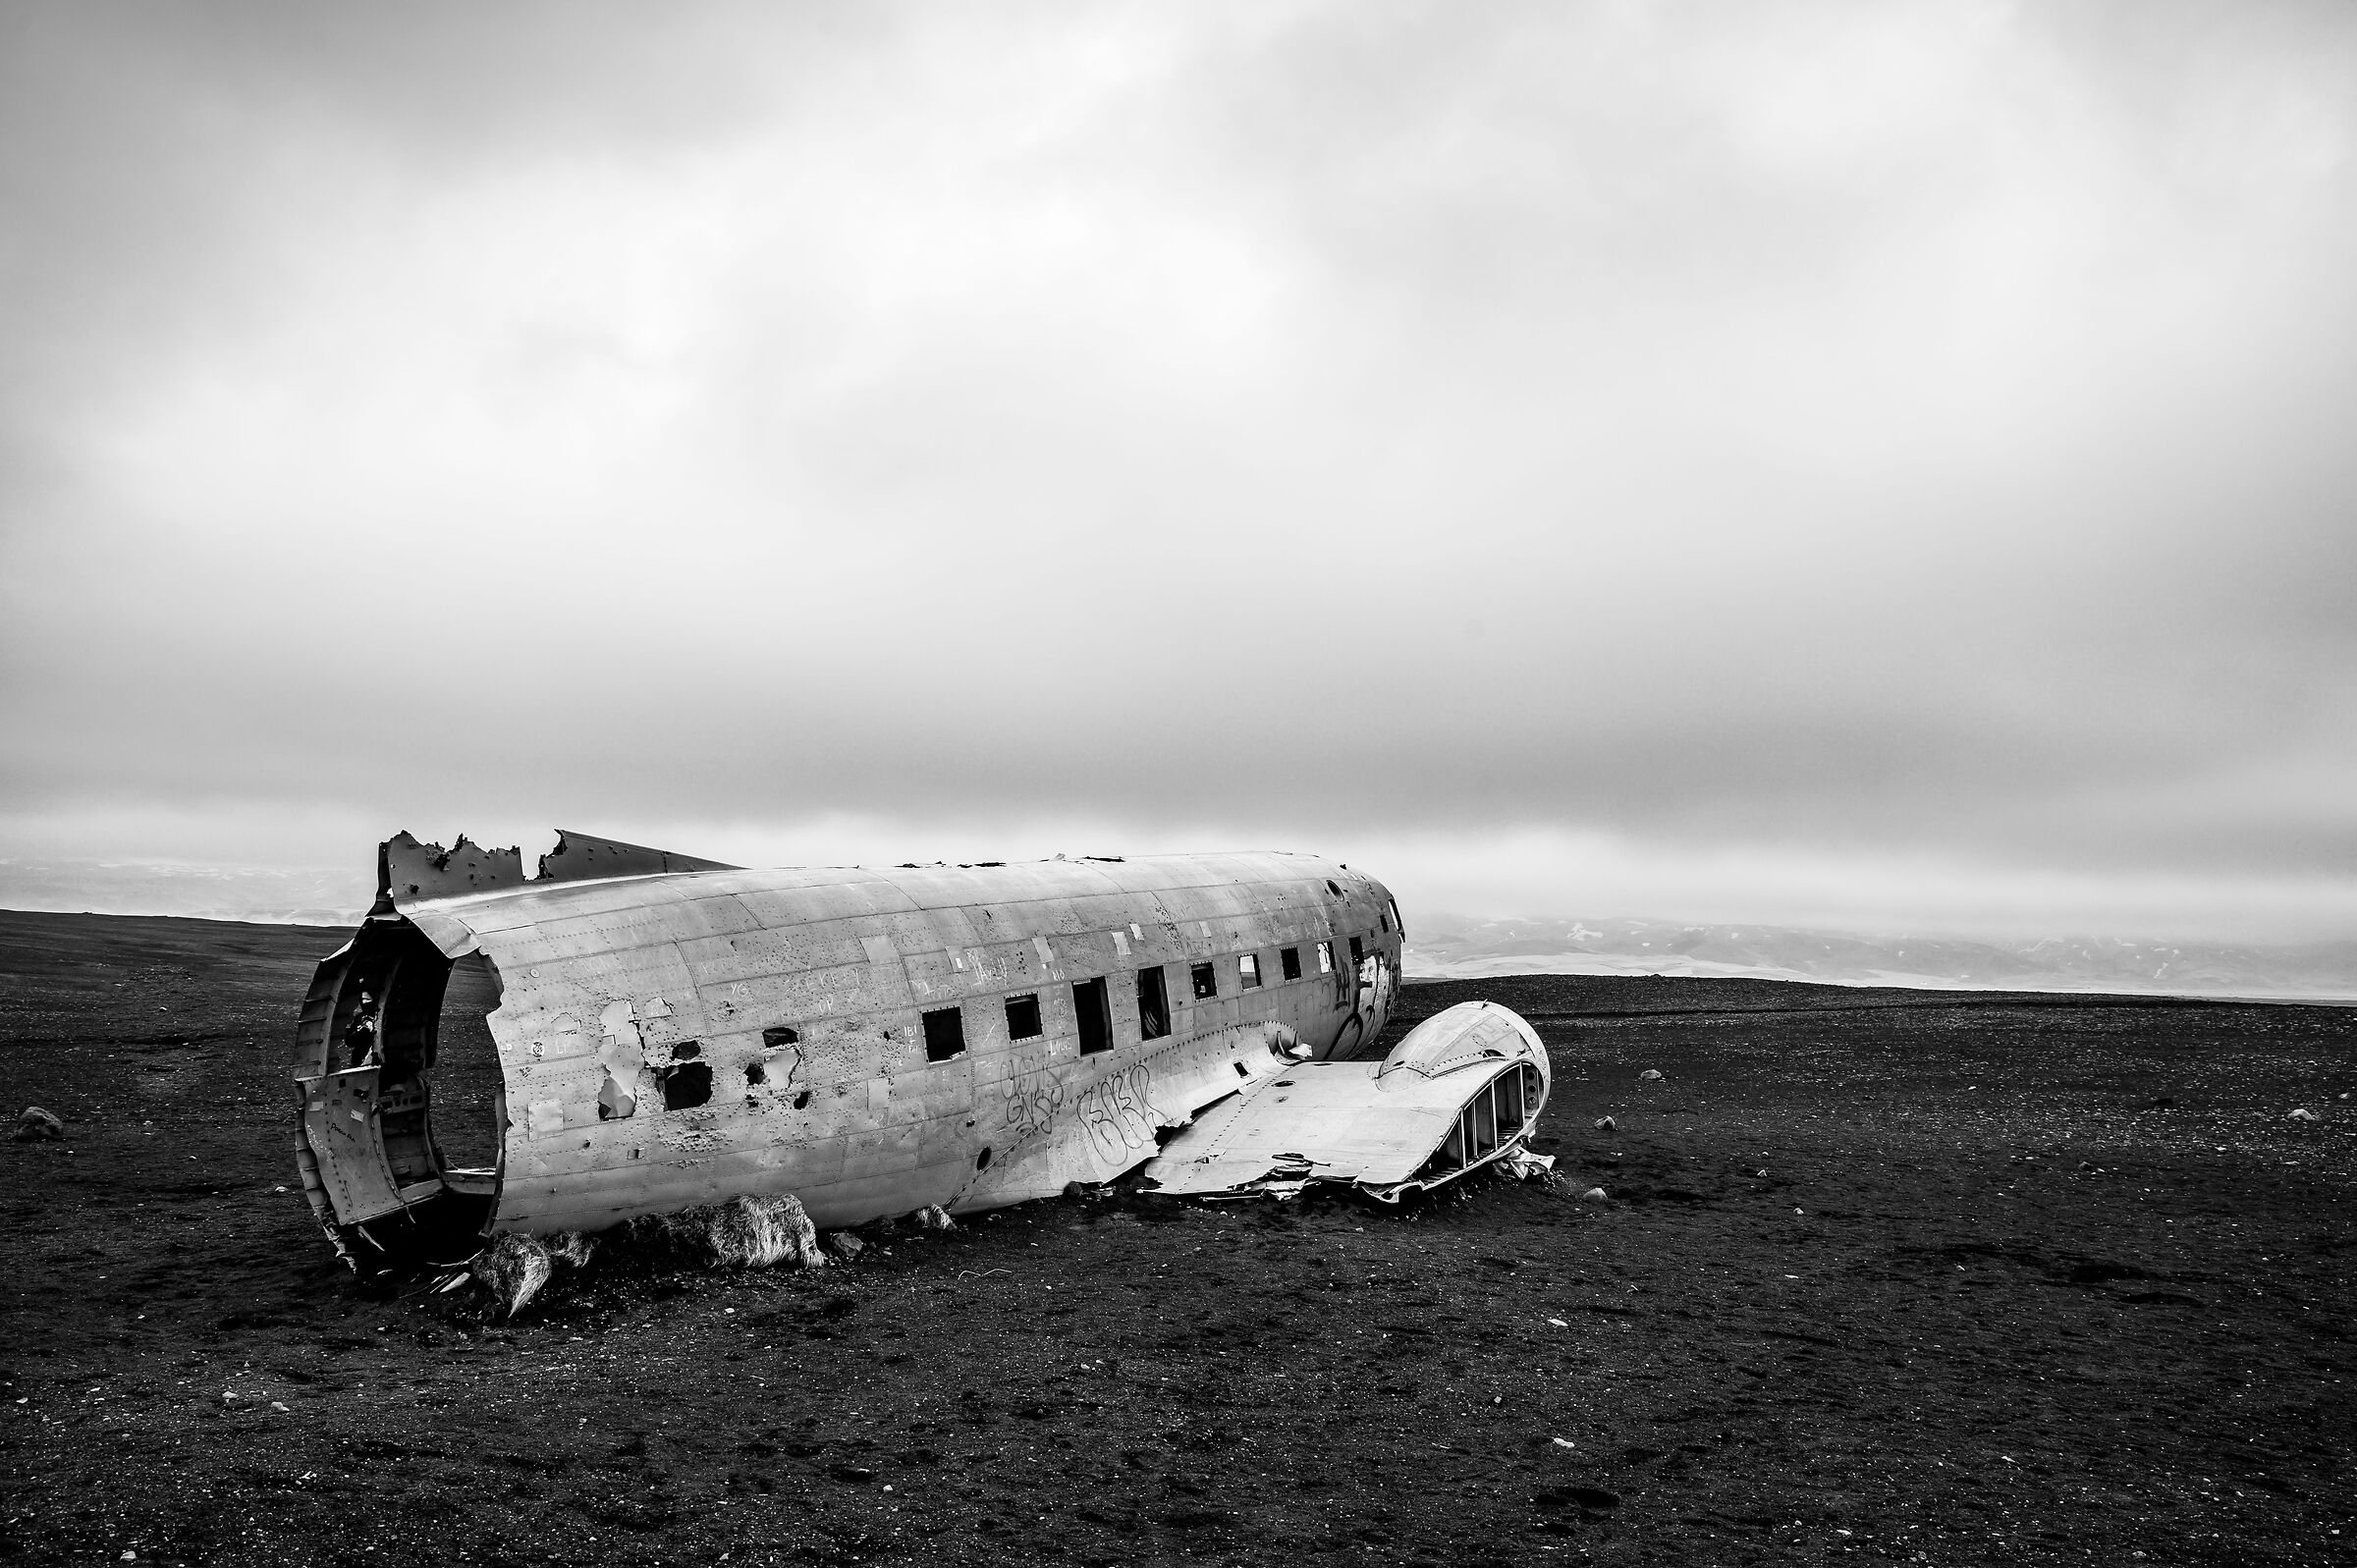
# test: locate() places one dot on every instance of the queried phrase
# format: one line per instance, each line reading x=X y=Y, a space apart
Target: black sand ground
x=1930 y=1278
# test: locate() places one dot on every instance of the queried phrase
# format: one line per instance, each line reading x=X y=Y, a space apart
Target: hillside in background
x=1450 y=948
x=300 y=898
x=1440 y=946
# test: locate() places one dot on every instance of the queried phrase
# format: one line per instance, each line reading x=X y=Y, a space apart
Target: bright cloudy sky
x=1839 y=464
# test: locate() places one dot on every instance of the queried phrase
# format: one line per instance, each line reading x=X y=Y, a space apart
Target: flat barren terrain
x=1878 y=1275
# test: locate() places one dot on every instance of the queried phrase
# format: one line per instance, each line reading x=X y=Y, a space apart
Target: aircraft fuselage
x=869 y=1041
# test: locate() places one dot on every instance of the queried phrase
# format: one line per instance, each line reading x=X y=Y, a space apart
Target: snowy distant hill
x=1439 y=947
x=1448 y=948
x=301 y=897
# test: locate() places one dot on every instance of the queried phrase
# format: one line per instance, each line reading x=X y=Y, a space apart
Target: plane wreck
x=672 y=1033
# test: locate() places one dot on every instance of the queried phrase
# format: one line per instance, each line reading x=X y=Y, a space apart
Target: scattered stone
x=2301 y=1114
x=36 y=1124
x=845 y=1245
x=1606 y=1124
x=933 y=1218
x=1649 y=1075
x=275 y=1405
x=1592 y=1195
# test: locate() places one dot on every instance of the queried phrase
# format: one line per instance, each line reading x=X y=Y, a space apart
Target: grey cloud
x=1832 y=430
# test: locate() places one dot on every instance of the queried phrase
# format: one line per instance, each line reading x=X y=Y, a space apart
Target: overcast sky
x=1843 y=463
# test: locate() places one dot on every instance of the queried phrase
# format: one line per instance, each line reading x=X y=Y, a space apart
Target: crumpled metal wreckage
x=813 y=1049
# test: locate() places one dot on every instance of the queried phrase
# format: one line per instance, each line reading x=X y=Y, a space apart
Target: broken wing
x=1462 y=1090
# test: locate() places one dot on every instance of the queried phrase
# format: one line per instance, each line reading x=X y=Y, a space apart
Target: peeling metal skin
x=673 y=1032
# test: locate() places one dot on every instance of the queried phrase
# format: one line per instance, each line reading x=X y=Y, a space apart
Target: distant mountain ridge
x=297 y=898
x=1456 y=949
x=1439 y=947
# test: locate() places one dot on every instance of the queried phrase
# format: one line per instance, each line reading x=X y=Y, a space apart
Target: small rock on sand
x=1649 y=1075
x=1606 y=1124
x=2302 y=1113
x=1592 y=1195
x=36 y=1124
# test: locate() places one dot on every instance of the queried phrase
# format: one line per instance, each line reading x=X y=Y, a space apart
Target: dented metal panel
x=339 y=1115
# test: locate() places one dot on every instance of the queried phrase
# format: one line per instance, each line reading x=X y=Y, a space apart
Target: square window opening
x=1247 y=970
x=1206 y=980
x=1288 y=963
x=945 y=1034
x=1022 y=1016
x=1325 y=957
x=1358 y=951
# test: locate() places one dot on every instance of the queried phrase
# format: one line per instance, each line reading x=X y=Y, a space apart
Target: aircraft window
x=1325 y=957
x=945 y=1034
x=774 y=1038
x=1289 y=963
x=1247 y=969
x=1358 y=951
x=1022 y=1016
x=1153 y=1004
x=1333 y=887
x=1206 y=980
x=1095 y=1013
x=1383 y=918
x=1398 y=924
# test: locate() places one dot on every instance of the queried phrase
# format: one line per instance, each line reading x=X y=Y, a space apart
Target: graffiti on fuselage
x=1031 y=1108
x=1117 y=1113
x=1118 y=1116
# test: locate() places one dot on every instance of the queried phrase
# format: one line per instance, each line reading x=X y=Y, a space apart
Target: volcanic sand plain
x=1917 y=1276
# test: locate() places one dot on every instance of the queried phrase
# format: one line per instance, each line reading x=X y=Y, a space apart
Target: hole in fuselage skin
x=983 y=1160
x=755 y=1076
x=686 y=1084
x=464 y=1075
x=801 y=1101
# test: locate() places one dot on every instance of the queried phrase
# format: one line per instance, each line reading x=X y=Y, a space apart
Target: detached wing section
x=1463 y=1090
